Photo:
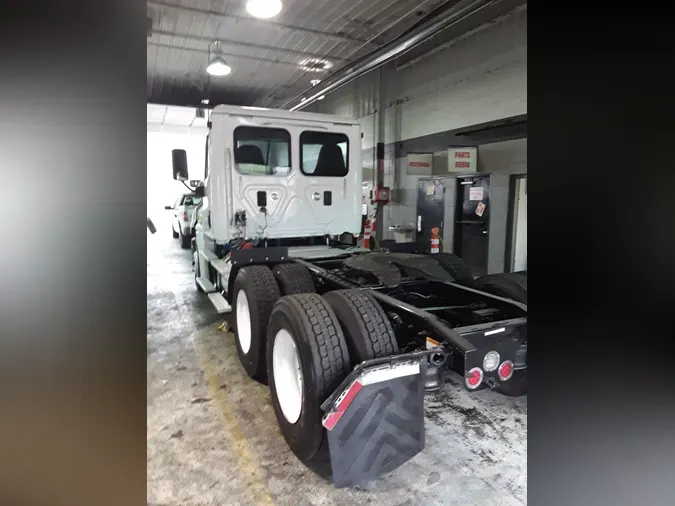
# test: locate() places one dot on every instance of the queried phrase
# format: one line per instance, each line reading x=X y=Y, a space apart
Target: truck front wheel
x=184 y=240
x=307 y=359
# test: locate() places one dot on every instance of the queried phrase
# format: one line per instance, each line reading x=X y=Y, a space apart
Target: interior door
x=520 y=226
x=472 y=221
x=430 y=208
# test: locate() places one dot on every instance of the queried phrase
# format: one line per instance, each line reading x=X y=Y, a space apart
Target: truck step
x=221 y=266
x=220 y=303
x=206 y=285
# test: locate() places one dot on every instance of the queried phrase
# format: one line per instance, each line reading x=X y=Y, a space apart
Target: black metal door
x=472 y=221
x=430 y=208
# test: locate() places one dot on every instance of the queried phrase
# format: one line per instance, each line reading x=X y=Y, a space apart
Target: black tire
x=324 y=361
x=366 y=326
x=258 y=284
x=197 y=274
x=511 y=286
x=174 y=233
x=184 y=241
x=293 y=279
x=457 y=267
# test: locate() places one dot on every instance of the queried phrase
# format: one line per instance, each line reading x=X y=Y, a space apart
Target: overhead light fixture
x=263 y=9
x=218 y=67
x=205 y=101
x=315 y=65
x=303 y=99
x=321 y=97
x=315 y=81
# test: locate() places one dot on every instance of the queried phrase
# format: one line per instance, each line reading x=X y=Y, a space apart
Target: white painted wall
x=508 y=157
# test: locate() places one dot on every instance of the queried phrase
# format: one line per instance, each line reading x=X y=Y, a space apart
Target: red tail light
x=474 y=378
x=185 y=216
x=506 y=370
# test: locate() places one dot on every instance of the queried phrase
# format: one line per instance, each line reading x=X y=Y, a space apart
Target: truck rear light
x=474 y=378
x=185 y=216
x=506 y=370
x=491 y=361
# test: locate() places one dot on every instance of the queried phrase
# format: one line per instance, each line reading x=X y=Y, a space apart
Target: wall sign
x=476 y=193
x=420 y=164
x=463 y=159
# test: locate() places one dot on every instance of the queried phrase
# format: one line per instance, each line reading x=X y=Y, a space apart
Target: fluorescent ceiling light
x=218 y=67
x=315 y=65
x=263 y=9
x=321 y=97
x=315 y=81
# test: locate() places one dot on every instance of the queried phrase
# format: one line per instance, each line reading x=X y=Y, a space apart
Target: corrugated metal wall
x=478 y=78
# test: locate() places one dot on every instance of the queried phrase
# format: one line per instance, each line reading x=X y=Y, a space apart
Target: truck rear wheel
x=307 y=359
x=457 y=267
x=365 y=324
x=255 y=292
x=510 y=286
x=293 y=279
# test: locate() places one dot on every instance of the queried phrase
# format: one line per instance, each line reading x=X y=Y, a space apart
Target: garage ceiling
x=266 y=56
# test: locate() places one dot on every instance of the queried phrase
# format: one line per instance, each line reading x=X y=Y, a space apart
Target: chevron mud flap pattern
x=375 y=420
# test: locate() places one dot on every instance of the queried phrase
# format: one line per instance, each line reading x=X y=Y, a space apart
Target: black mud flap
x=375 y=419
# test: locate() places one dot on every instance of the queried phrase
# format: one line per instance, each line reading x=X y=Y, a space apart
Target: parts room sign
x=463 y=159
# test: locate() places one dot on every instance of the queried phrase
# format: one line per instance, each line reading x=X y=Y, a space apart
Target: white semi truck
x=348 y=339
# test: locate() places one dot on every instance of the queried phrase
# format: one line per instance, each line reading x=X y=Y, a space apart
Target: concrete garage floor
x=213 y=437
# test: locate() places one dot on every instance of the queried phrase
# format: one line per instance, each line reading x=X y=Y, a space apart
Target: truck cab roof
x=283 y=115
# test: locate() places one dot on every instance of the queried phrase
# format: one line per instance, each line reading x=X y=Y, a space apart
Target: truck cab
x=277 y=174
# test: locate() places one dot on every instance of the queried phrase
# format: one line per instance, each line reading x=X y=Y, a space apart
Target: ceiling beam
x=262 y=47
x=222 y=15
x=230 y=55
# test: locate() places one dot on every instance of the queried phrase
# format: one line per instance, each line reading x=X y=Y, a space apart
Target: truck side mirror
x=199 y=191
x=180 y=168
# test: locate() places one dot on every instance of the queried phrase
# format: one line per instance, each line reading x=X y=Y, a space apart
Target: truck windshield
x=262 y=151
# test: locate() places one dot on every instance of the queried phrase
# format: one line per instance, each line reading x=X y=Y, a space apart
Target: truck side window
x=262 y=151
x=324 y=154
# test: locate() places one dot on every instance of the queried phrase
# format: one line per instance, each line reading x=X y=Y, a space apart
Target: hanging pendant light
x=263 y=9
x=218 y=67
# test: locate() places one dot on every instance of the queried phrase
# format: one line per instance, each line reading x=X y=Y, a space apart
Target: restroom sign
x=463 y=159
x=420 y=164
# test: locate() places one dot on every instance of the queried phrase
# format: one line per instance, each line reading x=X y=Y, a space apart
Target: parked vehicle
x=182 y=214
x=347 y=339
